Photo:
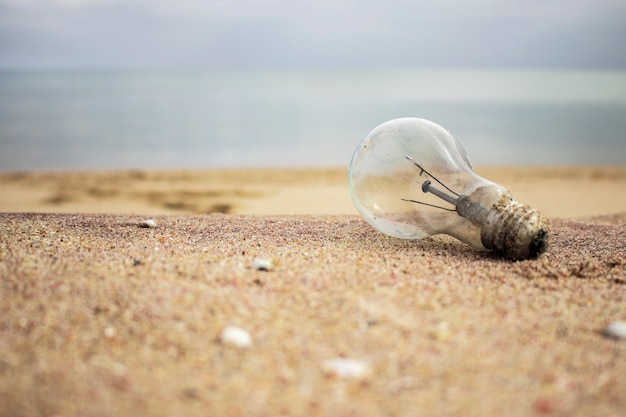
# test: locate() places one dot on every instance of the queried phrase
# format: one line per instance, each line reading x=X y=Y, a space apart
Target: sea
x=86 y=120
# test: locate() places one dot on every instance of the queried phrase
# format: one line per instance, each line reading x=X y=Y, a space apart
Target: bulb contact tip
x=515 y=230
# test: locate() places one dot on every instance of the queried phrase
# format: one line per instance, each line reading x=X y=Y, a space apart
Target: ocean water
x=134 y=120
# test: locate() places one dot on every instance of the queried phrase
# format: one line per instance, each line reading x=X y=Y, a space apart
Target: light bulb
x=410 y=178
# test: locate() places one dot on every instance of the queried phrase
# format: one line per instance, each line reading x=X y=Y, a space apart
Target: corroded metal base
x=515 y=230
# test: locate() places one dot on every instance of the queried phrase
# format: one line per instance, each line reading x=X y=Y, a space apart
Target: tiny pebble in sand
x=261 y=264
x=616 y=330
x=148 y=223
x=346 y=368
x=110 y=332
x=236 y=336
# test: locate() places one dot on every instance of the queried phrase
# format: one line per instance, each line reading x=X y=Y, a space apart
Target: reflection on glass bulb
x=410 y=178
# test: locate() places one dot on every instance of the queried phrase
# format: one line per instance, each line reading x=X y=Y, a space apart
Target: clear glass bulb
x=410 y=178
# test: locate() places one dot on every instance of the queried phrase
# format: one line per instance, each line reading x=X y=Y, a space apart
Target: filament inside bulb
x=463 y=205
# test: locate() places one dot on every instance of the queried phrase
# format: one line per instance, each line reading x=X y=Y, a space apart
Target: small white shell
x=236 y=336
x=346 y=368
x=110 y=332
x=148 y=223
x=616 y=330
x=262 y=264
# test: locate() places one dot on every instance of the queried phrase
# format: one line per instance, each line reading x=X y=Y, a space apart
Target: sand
x=566 y=192
x=100 y=316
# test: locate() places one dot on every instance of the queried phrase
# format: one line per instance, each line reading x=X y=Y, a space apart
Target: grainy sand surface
x=101 y=317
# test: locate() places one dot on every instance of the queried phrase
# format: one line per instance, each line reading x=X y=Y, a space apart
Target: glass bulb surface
x=387 y=177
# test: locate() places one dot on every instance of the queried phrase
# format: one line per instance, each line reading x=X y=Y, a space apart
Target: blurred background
x=97 y=84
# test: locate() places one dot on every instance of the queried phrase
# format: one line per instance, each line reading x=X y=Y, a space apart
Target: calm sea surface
x=104 y=120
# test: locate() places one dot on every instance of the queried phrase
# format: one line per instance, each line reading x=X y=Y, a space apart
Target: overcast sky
x=240 y=34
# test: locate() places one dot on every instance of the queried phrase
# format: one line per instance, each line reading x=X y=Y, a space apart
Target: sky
x=321 y=34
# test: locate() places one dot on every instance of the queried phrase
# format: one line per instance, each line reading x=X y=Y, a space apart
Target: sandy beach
x=563 y=192
x=103 y=317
